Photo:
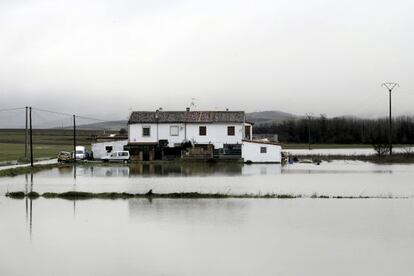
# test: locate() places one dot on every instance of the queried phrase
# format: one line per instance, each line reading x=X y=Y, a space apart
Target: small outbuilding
x=257 y=151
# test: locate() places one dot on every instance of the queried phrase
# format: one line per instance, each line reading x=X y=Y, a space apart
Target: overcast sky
x=106 y=57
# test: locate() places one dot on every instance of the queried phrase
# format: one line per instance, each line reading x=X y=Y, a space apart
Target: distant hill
x=109 y=125
x=266 y=117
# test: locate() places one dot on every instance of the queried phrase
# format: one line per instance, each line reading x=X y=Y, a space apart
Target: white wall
x=135 y=133
x=164 y=134
x=251 y=152
x=216 y=134
x=99 y=149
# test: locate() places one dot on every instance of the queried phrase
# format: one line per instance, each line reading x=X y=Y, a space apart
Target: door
x=145 y=154
x=247 y=130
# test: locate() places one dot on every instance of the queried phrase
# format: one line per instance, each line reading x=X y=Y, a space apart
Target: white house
x=166 y=135
x=217 y=128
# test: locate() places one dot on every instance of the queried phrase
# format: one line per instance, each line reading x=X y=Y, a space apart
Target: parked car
x=117 y=156
x=64 y=156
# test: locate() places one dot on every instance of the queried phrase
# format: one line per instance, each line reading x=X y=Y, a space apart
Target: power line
x=12 y=109
x=90 y=118
x=71 y=115
x=53 y=112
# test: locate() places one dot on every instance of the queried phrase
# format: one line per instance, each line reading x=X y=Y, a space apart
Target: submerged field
x=192 y=219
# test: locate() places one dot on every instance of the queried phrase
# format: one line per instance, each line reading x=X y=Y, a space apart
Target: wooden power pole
x=31 y=137
x=74 y=138
x=26 y=134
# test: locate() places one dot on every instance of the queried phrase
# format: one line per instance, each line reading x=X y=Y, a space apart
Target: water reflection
x=209 y=237
x=186 y=169
x=330 y=178
x=29 y=202
x=178 y=169
x=231 y=169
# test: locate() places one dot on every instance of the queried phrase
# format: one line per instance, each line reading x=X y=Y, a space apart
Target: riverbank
x=399 y=158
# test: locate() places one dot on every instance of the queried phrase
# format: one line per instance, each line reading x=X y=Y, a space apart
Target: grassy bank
x=324 y=146
x=333 y=146
x=399 y=158
x=74 y=195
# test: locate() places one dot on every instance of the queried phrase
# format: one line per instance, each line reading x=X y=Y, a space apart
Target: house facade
x=187 y=134
x=173 y=128
x=191 y=135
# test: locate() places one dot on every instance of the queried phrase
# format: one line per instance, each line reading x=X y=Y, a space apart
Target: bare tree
x=381 y=148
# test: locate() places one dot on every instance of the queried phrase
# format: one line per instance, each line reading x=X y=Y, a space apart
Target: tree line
x=341 y=130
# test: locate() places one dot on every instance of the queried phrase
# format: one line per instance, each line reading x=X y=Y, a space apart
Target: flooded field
x=299 y=236
x=338 y=178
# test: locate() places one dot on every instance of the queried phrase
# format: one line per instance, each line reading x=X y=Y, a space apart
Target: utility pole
x=31 y=137
x=74 y=138
x=309 y=116
x=26 y=134
x=390 y=86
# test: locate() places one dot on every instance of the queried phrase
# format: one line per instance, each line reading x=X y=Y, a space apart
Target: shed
x=261 y=151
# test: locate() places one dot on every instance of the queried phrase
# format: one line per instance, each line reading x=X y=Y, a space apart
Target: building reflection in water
x=203 y=169
x=171 y=169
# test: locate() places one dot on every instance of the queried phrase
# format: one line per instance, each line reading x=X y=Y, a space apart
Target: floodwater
x=338 y=178
x=301 y=236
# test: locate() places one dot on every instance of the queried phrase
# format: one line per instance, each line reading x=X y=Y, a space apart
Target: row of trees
x=341 y=130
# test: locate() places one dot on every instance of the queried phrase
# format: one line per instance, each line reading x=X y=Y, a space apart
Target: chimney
x=187 y=109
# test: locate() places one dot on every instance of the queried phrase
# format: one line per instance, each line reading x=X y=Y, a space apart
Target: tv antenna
x=193 y=102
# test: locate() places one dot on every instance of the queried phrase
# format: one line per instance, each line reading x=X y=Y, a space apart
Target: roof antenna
x=193 y=102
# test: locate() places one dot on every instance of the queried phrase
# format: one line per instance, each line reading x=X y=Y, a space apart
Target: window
x=108 y=148
x=146 y=131
x=263 y=149
x=230 y=131
x=202 y=130
x=174 y=130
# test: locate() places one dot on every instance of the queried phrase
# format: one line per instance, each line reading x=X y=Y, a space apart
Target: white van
x=117 y=156
x=81 y=153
